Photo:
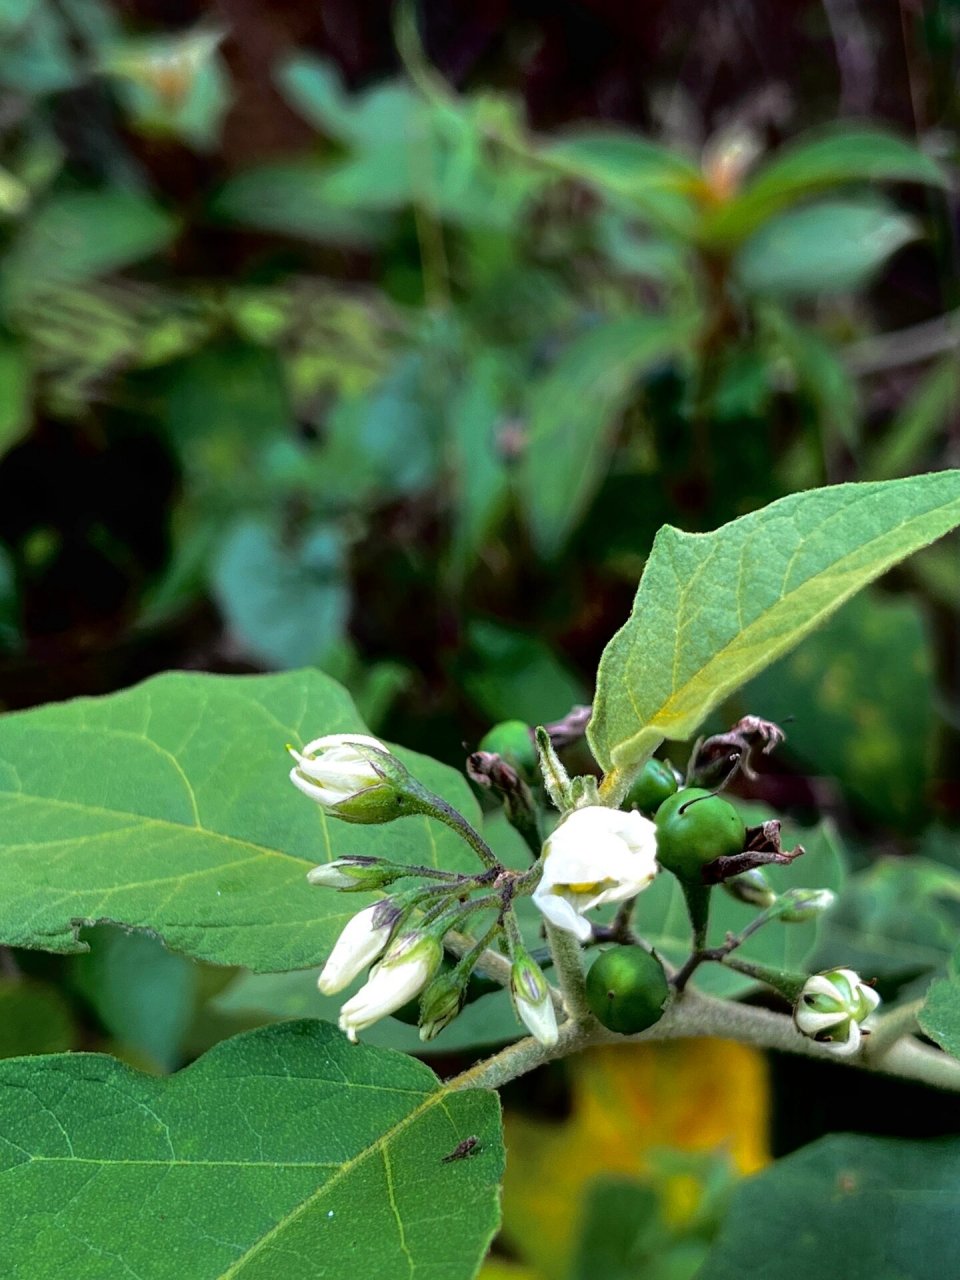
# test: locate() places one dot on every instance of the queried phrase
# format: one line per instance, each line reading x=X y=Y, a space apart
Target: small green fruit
x=655 y=783
x=513 y=741
x=693 y=828
x=627 y=989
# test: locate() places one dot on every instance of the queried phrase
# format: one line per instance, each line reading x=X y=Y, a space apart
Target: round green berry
x=513 y=741
x=693 y=828
x=627 y=989
x=654 y=783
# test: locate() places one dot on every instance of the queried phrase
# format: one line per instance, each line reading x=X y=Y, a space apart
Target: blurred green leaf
x=712 y=610
x=573 y=411
x=915 y=426
x=859 y=699
x=482 y=490
x=660 y=183
x=821 y=377
x=34 y=1018
x=259 y=1160
x=15 y=388
x=389 y=112
x=830 y=247
x=286 y=600
x=857 y=1207
x=896 y=921
x=141 y=992
x=81 y=235
x=804 y=168
x=170 y=805
x=292 y=197
x=512 y=674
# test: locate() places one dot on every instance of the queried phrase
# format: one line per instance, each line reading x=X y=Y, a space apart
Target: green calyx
x=627 y=989
x=655 y=783
x=694 y=828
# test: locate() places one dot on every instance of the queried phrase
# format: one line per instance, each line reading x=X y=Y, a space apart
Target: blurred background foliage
x=384 y=339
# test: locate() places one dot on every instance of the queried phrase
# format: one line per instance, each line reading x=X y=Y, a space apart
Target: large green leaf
x=714 y=609
x=167 y=807
x=940 y=1015
x=284 y=1152
x=865 y=684
x=861 y=1208
x=805 y=168
x=292 y=197
x=573 y=413
x=828 y=247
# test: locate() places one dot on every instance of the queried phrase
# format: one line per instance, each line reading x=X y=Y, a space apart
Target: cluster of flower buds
x=833 y=1008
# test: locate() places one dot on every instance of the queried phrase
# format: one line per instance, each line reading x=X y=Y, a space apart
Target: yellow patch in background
x=630 y=1103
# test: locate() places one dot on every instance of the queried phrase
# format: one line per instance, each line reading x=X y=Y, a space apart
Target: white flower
x=403 y=973
x=531 y=996
x=595 y=855
x=363 y=939
x=833 y=1008
x=332 y=769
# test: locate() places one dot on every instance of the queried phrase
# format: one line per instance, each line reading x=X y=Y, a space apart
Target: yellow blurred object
x=500 y=1269
x=629 y=1103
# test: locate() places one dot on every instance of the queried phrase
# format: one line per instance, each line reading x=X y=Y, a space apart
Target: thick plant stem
x=891 y=1028
x=568 y=966
x=695 y=1015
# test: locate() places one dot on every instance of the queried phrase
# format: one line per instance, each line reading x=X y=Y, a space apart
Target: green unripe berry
x=513 y=742
x=627 y=989
x=693 y=828
x=654 y=783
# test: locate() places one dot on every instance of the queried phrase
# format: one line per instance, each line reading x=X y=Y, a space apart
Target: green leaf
x=714 y=609
x=662 y=919
x=914 y=430
x=515 y=675
x=34 y=1018
x=167 y=807
x=806 y=168
x=573 y=412
x=896 y=921
x=857 y=1207
x=292 y=197
x=15 y=406
x=480 y=472
x=142 y=993
x=829 y=247
x=940 y=1015
x=659 y=182
x=865 y=685
x=82 y=235
x=288 y=604
x=286 y=1151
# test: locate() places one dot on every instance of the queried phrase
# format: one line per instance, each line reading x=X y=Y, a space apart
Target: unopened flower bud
x=404 y=971
x=353 y=874
x=832 y=1008
x=362 y=940
x=806 y=904
x=441 y=1001
x=751 y=887
x=531 y=996
x=353 y=777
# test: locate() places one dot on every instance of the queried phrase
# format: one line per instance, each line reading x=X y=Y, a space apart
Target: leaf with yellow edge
x=714 y=609
x=629 y=1103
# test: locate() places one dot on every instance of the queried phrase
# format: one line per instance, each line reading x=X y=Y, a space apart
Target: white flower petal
x=540 y=1019
x=562 y=913
x=389 y=986
x=812 y=1023
x=359 y=944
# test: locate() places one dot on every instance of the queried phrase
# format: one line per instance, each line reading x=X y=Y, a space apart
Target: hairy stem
x=568 y=966
x=891 y=1028
x=696 y=1015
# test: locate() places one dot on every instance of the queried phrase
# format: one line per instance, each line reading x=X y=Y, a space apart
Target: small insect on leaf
x=463 y=1150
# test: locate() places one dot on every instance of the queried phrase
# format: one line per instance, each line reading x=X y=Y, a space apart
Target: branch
x=696 y=1015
